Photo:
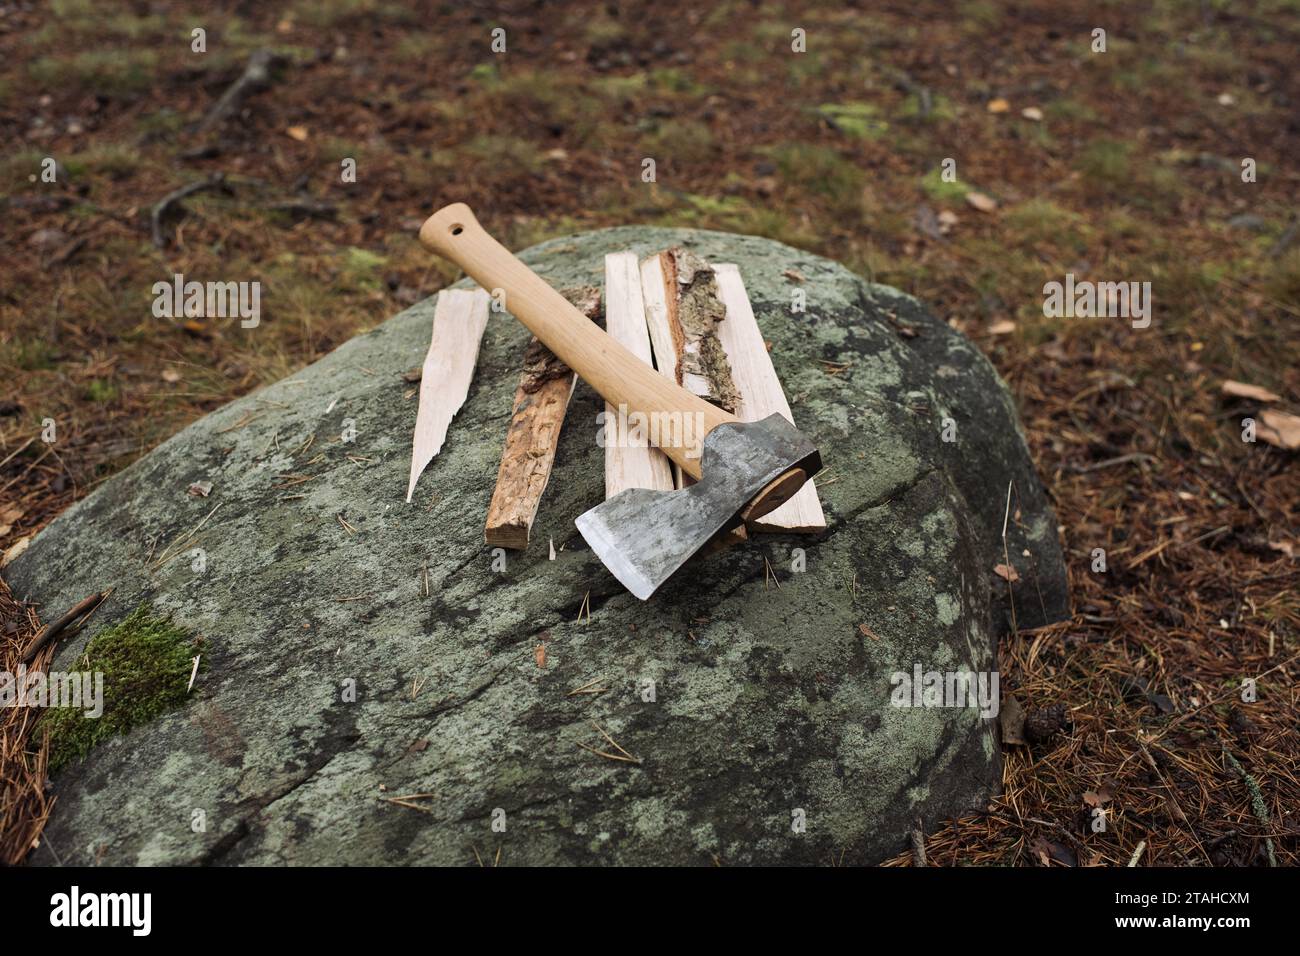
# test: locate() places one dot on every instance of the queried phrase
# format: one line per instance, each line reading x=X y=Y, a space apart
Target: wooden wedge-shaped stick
x=629 y=463
x=459 y=318
x=541 y=401
x=760 y=395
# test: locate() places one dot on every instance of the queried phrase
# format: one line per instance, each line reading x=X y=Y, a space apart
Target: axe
x=743 y=470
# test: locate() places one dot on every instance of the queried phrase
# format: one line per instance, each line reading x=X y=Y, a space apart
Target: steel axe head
x=643 y=536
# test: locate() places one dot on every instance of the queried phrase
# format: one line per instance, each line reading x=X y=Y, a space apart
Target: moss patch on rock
x=146 y=661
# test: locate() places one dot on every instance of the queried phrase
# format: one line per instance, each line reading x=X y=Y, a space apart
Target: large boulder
x=765 y=718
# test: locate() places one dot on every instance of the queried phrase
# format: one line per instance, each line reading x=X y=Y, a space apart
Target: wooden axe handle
x=618 y=375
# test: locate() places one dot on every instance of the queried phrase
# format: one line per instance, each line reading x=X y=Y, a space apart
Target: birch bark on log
x=683 y=310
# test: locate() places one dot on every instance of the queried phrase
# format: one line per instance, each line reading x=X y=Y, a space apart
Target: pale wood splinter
x=761 y=395
x=459 y=318
x=629 y=464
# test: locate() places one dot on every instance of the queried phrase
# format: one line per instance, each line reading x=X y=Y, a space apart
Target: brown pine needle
x=248 y=417
x=608 y=756
x=180 y=543
x=614 y=743
x=588 y=688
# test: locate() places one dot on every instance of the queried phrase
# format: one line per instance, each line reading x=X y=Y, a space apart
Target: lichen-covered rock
x=760 y=716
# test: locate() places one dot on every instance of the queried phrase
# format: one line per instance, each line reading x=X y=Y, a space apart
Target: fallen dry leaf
x=171 y=376
x=539 y=654
x=1032 y=113
x=200 y=489
x=1041 y=849
x=15 y=549
x=1253 y=392
x=297 y=132
x=1286 y=547
x=1281 y=429
x=794 y=275
x=1004 y=327
x=947 y=219
x=1011 y=718
x=1098 y=797
x=998 y=105
x=868 y=632
x=981 y=202
x=1006 y=572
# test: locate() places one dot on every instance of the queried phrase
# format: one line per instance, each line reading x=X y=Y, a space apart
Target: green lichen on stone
x=146 y=661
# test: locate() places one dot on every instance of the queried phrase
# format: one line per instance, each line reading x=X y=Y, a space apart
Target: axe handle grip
x=618 y=375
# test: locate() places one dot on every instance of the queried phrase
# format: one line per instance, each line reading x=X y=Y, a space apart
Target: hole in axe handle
x=774 y=494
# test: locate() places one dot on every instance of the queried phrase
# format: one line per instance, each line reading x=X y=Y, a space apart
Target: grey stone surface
x=767 y=700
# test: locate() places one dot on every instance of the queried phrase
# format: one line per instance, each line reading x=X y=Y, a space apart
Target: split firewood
x=459 y=318
x=761 y=395
x=541 y=401
x=628 y=463
x=683 y=312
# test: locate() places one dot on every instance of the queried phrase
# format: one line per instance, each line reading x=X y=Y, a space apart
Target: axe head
x=643 y=536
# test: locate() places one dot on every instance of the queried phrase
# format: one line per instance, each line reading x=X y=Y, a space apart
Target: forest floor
x=1123 y=165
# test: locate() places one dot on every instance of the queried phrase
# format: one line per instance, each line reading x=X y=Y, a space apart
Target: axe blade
x=644 y=536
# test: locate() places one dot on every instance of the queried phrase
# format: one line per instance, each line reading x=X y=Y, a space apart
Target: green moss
x=146 y=662
x=360 y=269
x=1071 y=111
x=678 y=142
x=941 y=109
x=674 y=80
x=509 y=157
x=819 y=170
x=484 y=73
x=161 y=126
x=1283 y=280
x=1042 y=222
x=113 y=161
x=101 y=391
x=620 y=87
x=333 y=13
x=603 y=30
x=27 y=354
x=1110 y=167
x=102 y=72
x=857 y=120
x=19 y=169
x=940 y=190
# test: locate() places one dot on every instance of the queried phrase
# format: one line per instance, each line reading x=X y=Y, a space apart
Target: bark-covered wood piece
x=684 y=325
x=541 y=401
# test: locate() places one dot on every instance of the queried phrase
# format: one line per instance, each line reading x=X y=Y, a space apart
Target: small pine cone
x=1043 y=723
